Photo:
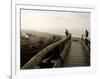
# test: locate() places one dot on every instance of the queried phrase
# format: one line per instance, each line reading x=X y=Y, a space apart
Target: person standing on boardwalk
x=86 y=33
x=86 y=39
x=66 y=32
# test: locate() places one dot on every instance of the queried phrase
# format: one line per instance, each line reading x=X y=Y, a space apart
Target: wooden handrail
x=86 y=40
x=35 y=60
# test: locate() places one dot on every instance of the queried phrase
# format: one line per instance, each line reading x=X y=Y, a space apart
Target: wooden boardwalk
x=77 y=55
x=68 y=52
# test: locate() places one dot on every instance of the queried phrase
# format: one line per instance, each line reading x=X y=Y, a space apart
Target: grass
x=35 y=42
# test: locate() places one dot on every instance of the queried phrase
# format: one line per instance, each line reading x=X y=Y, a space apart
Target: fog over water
x=55 y=21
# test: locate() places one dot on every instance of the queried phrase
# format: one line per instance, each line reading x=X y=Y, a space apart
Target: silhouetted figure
x=66 y=33
x=86 y=33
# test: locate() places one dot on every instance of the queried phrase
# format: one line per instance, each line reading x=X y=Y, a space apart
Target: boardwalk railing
x=50 y=56
x=86 y=40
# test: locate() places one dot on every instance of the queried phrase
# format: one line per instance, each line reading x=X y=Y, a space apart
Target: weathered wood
x=64 y=52
x=35 y=60
x=57 y=63
x=86 y=41
x=77 y=55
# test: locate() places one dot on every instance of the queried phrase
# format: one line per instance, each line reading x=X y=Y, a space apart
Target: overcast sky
x=55 y=21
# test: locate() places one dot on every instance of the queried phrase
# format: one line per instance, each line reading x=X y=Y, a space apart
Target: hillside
x=32 y=42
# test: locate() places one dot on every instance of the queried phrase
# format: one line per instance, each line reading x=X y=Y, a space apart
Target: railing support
x=37 y=59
